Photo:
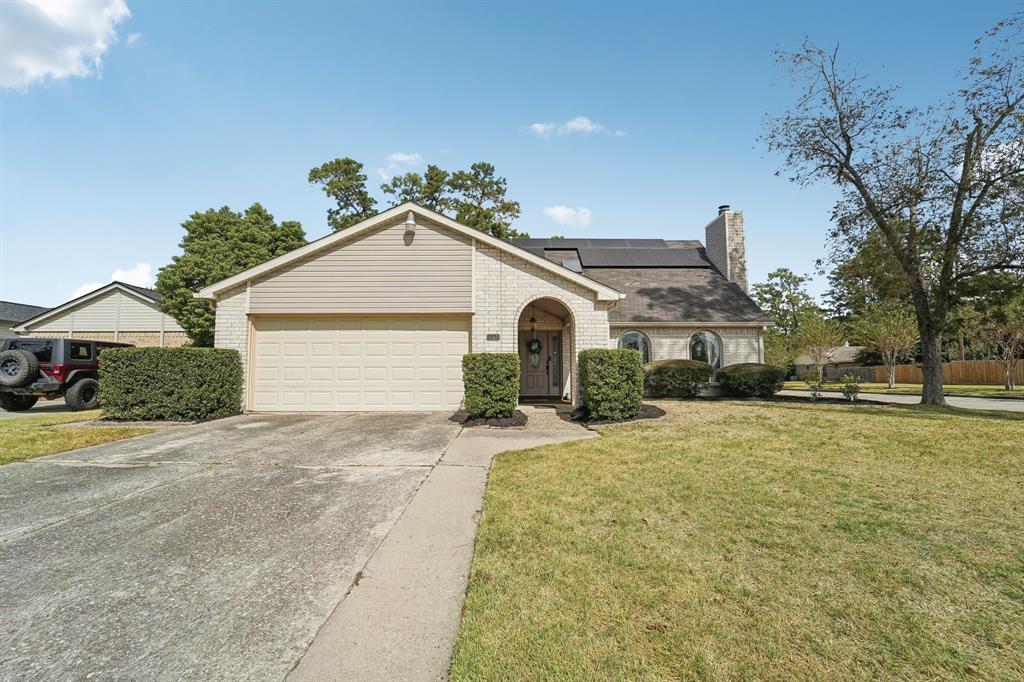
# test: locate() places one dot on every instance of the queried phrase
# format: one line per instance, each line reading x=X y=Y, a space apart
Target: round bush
x=611 y=383
x=752 y=380
x=676 y=378
x=491 y=383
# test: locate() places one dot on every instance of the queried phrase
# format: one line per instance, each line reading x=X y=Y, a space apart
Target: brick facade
x=725 y=246
x=140 y=339
x=739 y=344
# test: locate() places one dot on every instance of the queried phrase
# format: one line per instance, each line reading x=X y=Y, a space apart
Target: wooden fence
x=966 y=372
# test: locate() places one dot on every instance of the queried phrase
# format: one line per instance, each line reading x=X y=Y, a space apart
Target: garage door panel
x=358 y=363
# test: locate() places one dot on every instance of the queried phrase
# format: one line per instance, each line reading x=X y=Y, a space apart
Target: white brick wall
x=232 y=328
x=739 y=344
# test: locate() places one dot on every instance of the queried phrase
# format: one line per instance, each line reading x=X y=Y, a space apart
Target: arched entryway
x=545 y=343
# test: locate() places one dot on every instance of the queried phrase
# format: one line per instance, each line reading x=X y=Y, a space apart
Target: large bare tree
x=943 y=185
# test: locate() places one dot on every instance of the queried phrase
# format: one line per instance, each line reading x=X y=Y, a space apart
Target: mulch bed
x=517 y=419
x=647 y=411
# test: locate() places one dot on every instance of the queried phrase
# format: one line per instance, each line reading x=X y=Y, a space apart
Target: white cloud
x=141 y=275
x=396 y=161
x=132 y=38
x=566 y=215
x=41 y=40
x=580 y=125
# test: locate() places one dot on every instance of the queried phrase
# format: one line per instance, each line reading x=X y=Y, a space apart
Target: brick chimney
x=724 y=243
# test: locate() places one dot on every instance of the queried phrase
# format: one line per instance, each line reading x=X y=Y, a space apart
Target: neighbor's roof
x=44 y=314
x=16 y=312
x=841 y=354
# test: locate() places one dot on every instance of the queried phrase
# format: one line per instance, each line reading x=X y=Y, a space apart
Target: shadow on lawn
x=899 y=411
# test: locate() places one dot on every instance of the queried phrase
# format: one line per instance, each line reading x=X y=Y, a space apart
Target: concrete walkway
x=962 y=402
x=401 y=619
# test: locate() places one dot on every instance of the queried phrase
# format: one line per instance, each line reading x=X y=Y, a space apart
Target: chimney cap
x=723 y=208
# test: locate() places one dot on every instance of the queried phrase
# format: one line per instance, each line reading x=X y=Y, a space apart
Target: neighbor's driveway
x=40 y=409
x=965 y=403
x=208 y=551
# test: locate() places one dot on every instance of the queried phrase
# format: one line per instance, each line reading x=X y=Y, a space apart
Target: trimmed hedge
x=752 y=380
x=676 y=378
x=611 y=383
x=491 y=382
x=176 y=384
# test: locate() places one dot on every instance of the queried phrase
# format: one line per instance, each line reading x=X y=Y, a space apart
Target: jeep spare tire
x=84 y=395
x=17 y=367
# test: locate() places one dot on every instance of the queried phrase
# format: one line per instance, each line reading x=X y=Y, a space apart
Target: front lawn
x=27 y=437
x=754 y=541
x=982 y=390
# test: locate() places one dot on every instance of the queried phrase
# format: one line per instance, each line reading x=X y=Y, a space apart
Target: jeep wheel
x=17 y=403
x=84 y=395
x=17 y=367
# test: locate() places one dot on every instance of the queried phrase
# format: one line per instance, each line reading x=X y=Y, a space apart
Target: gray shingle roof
x=151 y=293
x=676 y=295
x=16 y=312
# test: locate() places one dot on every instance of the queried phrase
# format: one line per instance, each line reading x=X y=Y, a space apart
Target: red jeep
x=33 y=367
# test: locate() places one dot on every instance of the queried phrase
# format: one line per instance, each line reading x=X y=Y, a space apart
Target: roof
x=665 y=281
x=842 y=354
x=675 y=295
x=16 y=312
x=603 y=292
x=137 y=291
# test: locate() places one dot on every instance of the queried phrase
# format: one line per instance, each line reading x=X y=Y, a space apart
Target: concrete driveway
x=213 y=551
x=42 y=408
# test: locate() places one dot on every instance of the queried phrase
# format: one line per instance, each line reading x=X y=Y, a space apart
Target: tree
x=479 y=201
x=869 y=274
x=430 y=190
x=819 y=337
x=942 y=185
x=1002 y=330
x=785 y=299
x=888 y=328
x=219 y=243
x=343 y=181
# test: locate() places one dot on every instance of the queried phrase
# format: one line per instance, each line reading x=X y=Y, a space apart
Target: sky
x=118 y=120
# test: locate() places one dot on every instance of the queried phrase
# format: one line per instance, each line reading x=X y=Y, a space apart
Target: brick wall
x=725 y=245
x=231 y=329
x=739 y=344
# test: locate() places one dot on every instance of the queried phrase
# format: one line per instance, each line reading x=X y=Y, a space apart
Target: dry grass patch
x=977 y=390
x=27 y=437
x=756 y=541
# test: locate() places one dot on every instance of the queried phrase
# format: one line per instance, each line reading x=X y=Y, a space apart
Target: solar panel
x=640 y=258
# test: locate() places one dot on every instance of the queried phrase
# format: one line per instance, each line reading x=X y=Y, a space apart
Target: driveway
x=42 y=408
x=965 y=403
x=213 y=551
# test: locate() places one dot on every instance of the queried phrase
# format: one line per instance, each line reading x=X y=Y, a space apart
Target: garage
x=358 y=363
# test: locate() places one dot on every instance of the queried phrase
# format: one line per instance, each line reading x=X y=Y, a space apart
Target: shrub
x=851 y=386
x=611 y=383
x=491 y=382
x=752 y=380
x=675 y=378
x=814 y=384
x=170 y=383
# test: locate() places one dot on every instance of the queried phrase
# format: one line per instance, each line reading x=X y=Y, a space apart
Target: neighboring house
x=842 y=360
x=379 y=315
x=116 y=312
x=13 y=313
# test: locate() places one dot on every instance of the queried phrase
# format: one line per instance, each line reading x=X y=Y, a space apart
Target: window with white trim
x=705 y=347
x=637 y=341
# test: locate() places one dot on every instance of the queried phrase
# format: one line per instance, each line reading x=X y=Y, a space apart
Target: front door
x=540 y=355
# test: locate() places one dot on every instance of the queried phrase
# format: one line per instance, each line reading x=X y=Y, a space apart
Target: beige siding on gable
x=386 y=270
x=114 y=310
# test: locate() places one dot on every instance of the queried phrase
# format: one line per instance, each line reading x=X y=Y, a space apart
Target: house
x=116 y=312
x=842 y=360
x=379 y=315
x=13 y=313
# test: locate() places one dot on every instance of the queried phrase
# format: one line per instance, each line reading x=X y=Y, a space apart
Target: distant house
x=13 y=313
x=116 y=312
x=842 y=360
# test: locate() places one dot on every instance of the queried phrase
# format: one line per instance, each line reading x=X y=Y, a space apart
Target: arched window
x=704 y=346
x=637 y=341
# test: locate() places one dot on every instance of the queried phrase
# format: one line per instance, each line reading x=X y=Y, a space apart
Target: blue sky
x=199 y=104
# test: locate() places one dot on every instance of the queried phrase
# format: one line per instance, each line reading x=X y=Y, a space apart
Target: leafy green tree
x=785 y=299
x=866 y=275
x=479 y=201
x=430 y=190
x=343 y=181
x=1001 y=330
x=942 y=185
x=819 y=337
x=219 y=243
x=888 y=328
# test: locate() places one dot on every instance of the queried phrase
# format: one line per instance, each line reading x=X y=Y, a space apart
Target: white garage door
x=402 y=363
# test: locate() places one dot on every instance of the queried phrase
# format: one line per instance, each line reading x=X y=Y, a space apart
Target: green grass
x=27 y=437
x=753 y=541
x=982 y=390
